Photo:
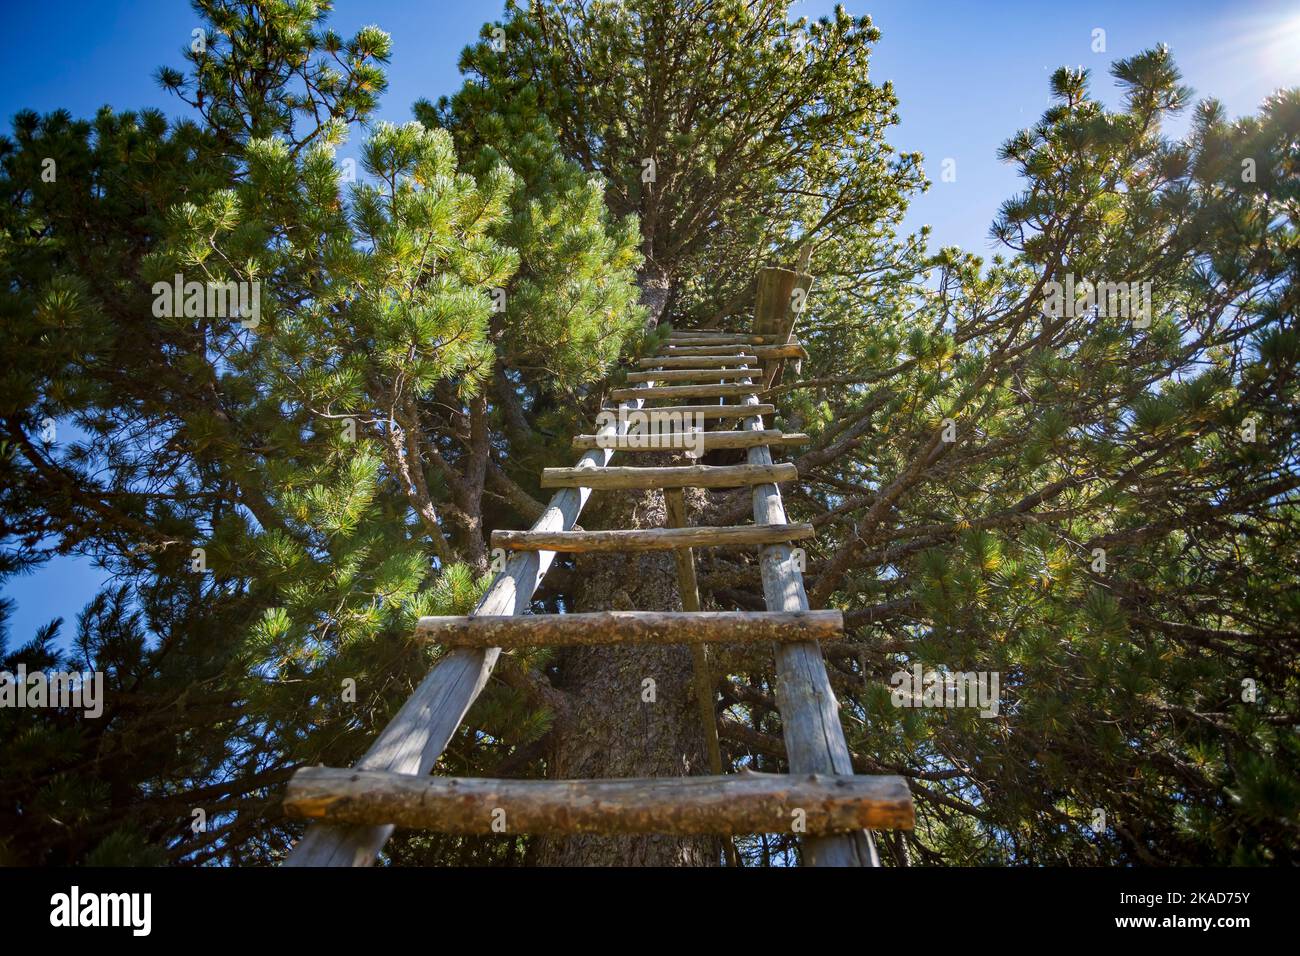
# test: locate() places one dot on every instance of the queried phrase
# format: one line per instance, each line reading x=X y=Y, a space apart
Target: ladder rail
x=417 y=736
x=810 y=720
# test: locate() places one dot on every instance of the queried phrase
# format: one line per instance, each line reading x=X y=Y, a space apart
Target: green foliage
x=733 y=133
x=280 y=489
x=278 y=504
x=1104 y=534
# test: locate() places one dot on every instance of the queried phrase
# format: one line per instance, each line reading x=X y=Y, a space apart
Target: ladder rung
x=704 y=334
x=726 y=351
x=733 y=804
x=696 y=361
x=667 y=412
x=685 y=391
x=678 y=441
x=711 y=338
x=651 y=539
x=694 y=374
x=681 y=476
x=632 y=627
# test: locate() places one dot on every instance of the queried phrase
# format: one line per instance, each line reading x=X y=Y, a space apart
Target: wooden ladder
x=355 y=810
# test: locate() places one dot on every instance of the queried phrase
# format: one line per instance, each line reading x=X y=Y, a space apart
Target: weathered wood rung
x=652 y=441
x=685 y=391
x=671 y=412
x=632 y=627
x=723 y=351
x=762 y=353
x=694 y=374
x=704 y=334
x=719 y=338
x=682 y=476
x=697 y=361
x=732 y=804
x=651 y=539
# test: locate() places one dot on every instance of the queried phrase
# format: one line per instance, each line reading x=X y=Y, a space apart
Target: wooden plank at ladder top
x=682 y=476
x=681 y=441
x=630 y=627
x=695 y=806
x=810 y=718
x=781 y=297
x=650 y=539
x=416 y=737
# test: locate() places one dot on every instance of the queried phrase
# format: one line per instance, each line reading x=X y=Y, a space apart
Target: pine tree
x=1098 y=504
x=1112 y=526
x=280 y=487
x=734 y=134
x=736 y=138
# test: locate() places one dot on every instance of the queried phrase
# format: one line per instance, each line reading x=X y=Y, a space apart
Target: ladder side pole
x=415 y=738
x=810 y=717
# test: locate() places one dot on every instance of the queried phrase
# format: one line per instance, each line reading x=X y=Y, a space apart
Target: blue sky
x=968 y=75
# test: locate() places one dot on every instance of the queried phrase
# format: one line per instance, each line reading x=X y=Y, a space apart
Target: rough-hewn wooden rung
x=651 y=539
x=685 y=391
x=718 y=338
x=725 y=351
x=682 y=476
x=694 y=374
x=632 y=627
x=762 y=353
x=703 y=334
x=804 y=804
x=696 y=361
x=673 y=412
x=693 y=441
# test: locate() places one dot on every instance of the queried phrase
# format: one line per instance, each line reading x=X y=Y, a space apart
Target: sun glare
x=1260 y=48
x=1282 y=51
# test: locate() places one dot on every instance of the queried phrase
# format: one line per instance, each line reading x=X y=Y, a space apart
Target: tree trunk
x=633 y=711
x=656 y=288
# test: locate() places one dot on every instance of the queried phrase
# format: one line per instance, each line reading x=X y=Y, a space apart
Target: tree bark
x=656 y=287
x=610 y=729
